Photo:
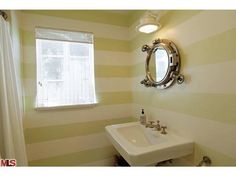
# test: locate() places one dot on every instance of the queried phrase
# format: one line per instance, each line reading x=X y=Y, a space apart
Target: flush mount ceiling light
x=148 y=23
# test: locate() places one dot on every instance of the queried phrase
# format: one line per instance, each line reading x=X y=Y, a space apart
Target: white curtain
x=11 y=109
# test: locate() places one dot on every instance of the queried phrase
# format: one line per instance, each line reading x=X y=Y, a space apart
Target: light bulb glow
x=148 y=28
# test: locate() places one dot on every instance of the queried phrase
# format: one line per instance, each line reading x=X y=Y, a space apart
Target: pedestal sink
x=141 y=146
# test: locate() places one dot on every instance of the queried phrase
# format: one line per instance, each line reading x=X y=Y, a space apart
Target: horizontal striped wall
x=203 y=107
x=79 y=132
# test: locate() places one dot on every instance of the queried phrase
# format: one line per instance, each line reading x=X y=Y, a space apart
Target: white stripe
x=30 y=21
x=138 y=56
x=29 y=54
x=65 y=146
x=102 y=85
x=215 y=78
x=101 y=57
x=137 y=86
x=201 y=26
x=215 y=135
x=113 y=84
x=29 y=87
x=210 y=78
x=57 y=117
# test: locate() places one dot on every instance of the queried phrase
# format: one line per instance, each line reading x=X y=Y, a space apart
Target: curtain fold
x=11 y=109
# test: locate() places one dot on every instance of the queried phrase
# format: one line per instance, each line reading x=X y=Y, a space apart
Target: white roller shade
x=62 y=35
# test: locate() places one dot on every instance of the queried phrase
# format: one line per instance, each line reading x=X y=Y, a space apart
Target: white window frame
x=37 y=106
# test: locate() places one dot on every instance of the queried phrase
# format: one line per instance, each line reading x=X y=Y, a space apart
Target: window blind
x=63 y=35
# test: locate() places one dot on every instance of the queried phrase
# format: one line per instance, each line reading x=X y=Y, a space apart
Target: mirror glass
x=158 y=64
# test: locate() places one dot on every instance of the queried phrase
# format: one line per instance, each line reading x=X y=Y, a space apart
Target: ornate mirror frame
x=172 y=75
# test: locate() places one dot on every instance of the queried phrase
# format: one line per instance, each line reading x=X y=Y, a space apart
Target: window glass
x=65 y=71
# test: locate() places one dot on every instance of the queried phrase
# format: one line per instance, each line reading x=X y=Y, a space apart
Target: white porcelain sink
x=142 y=146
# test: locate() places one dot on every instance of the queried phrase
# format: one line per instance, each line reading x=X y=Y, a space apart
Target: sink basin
x=141 y=146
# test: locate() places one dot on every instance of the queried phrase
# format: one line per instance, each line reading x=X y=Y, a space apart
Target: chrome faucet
x=150 y=124
x=158 y=126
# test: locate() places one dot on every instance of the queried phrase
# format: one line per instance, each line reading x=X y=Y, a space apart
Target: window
x=65 y=68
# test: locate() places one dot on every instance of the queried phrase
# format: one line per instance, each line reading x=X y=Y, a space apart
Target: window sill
x=66 y=107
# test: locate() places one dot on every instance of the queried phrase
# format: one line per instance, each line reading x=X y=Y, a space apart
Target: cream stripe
x=105 y=162
x=35 y=119
x=78 y=158
x=138 y=56
x=29 y=53
x=30 y=21
x=29 y=87
x=101 y=57
x=103 y=98
x=102 y=85
x=137 y=86
x=211 y=78
x=113 y=84
x=201 y=26
x=63 y=146
x=102 y=71
x=217 y=135
x=40 y=134
x=205 y=105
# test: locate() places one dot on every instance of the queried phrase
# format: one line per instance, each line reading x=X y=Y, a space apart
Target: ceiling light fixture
x=148 y=23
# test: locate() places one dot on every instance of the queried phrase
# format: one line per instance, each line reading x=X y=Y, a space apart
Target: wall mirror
x=162 y=64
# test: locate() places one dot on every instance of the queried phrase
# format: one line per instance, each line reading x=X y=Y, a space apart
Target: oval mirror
x=162 y=64
x=158 y=64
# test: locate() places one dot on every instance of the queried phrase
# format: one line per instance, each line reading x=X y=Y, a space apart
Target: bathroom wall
x=76 y=136
x=203 y=108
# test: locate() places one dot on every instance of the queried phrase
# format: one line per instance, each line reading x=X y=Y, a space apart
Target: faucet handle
x=151 y=122
x=150 y=125
x=158 y=126
x=163 y=130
